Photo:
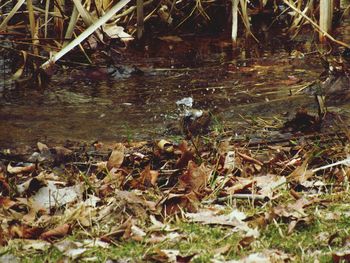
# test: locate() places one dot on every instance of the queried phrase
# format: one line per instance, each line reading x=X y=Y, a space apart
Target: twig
x=345 y=162
x=250 y=159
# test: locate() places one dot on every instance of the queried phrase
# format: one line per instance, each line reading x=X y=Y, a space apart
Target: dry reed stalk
x=31 y=17
x=85 y=15
x=140 y=18
x=234 y=28
x=245 y=18
x=11 y=14
x=326 y=16
x=116 y=8
x=291 y=5
x=72 y=22
x=298 y=19
x=59 y=21
x=47 y=9
x=263 y=3
x=34 y=29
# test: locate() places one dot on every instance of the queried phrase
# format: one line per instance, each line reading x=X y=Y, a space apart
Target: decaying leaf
x=186 y=155
x=230 y=161
x=195 y=178
x=266 y=256
x=175 y=203
x=148 y=177
x=117 y=157
x=165 y=146
x=29 y=167
x=211 y=217
x=24 y=231
x=301 y=173
x=57 y=232
x=115 y=31
x=51 y=196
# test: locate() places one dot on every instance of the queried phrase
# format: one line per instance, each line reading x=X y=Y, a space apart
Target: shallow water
x=229 y=81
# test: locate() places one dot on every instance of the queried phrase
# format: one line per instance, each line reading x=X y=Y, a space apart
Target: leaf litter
x=77 y=197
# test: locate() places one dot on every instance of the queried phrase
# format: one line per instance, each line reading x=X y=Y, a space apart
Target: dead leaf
x=246 y=241
x=39 y=245
x=43 y=149
x=301 y=173
x=266 y=256
x=211 y=217
x=239 y=184
x=186 y=155
x=57 y=232
x=24 y=231
x=149 y=177
x=6 y=202
x=4 y=186
x=195 y=178
x=117 y=157
x=270 y=183
x=29 y=167
x=52 y=196
x=341 y=256
x=175 y=203
x=165 y=146
x=115 y=31
x=222 y=250
x=71 y=249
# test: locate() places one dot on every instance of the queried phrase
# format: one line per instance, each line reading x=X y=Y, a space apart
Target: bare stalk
x=315 y=25
x=86 y=33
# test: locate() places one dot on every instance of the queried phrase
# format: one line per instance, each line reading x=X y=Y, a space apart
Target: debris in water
x=188 y=102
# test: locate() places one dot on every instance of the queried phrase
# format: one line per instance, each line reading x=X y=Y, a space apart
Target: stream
x=233 y=83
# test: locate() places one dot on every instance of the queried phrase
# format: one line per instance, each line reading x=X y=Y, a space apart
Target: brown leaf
x=61 y=153
x=301 y=173
x=117 y=157
x=246 y=241
x=148 y=177
x=213 y=217
x=3 y=237
x=6 y=202
x=222 y=250
x=57 y=232
x=186 y=155
x=240 y=185
x=174 y=203
x=195 y=178
x=24 y=231
x=4 y=186
x=341 y=256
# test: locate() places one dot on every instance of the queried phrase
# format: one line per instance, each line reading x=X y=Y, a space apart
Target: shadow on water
x=229 y=82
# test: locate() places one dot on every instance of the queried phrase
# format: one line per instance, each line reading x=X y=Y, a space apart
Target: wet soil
x=231 y=82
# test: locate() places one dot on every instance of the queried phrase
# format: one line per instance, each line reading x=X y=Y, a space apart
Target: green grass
x=326 y=233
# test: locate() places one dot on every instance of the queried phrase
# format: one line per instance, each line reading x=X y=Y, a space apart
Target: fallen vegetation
x=209 y=198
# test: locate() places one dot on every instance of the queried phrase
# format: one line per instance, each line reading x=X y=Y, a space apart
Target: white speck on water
x=188 y=102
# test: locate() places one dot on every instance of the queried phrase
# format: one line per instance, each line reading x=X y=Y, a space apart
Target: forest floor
x=203 y=198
